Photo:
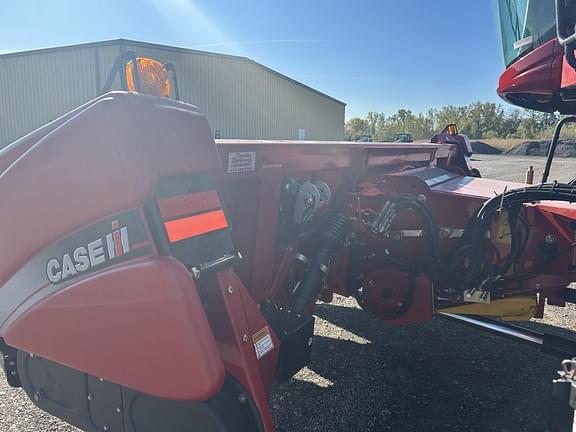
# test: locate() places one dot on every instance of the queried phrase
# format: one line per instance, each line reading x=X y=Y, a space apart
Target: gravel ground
x=364 y=376
x=513 y=168
x=435 y=376
x=368 y=377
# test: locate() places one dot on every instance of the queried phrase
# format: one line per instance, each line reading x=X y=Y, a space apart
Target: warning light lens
x=453 y=129
x=153 y=77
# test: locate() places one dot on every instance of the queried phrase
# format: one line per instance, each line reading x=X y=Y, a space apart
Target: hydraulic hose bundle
x=470 y=266
x=481 y=274
x=434 y=265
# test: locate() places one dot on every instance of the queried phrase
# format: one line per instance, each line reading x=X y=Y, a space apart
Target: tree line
x=479 y=120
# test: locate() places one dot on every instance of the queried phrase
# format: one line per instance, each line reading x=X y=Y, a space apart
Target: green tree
x=355 y=128
x=535 y=124
x=449 y=114
x=478 y=120
x=374 y=119
x=510 y=124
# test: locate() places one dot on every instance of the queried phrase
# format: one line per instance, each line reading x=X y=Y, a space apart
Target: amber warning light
x=452 y=129
x=152 y=74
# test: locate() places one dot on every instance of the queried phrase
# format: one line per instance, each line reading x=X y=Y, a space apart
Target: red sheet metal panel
x=101 y=160
x=140 y=324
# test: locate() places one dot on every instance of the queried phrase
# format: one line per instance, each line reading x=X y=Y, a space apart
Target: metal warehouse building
x=240 y=98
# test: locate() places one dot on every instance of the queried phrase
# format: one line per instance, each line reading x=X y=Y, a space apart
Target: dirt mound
x=565 y=148
x=480 y=147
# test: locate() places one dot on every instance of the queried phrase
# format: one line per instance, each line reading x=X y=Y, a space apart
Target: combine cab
x=539 y=54
x=155 y=280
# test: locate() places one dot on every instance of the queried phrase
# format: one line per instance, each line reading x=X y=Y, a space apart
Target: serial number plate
x=239 y=162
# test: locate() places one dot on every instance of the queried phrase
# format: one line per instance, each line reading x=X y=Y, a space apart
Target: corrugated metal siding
x=36 y=89
x=240 y=98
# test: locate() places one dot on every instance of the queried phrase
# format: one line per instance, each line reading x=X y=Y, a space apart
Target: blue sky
x=375 y=55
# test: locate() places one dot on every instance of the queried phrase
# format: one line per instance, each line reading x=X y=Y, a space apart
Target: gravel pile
x=364 y=376
x=480 y=147
x=565 y=148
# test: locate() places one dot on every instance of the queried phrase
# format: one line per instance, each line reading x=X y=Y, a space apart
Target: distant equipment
x=403 y=137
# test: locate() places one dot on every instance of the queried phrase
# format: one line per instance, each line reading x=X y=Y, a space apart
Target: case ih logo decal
x=87 y=256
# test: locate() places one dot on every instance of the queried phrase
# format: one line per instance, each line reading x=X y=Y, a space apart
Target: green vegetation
x=480 y=120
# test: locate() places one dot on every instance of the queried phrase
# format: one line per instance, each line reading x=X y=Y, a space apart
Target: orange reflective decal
x=192 y=226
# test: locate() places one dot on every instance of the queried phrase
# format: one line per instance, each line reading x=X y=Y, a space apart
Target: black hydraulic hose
x=515 y=246
x=435 y=265
x=312 y=280
x=556 y=138
x=331 y=238
x=514 y=242
x=480 y=272
x=549 y=191
x=476 y=272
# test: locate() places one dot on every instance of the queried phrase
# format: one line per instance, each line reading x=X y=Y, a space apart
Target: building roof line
x=130 y=42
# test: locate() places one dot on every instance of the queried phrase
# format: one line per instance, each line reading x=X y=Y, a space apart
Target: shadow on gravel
x=436 y=376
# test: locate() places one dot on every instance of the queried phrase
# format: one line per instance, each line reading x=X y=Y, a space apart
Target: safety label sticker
x=262 y=342
x=239 y=162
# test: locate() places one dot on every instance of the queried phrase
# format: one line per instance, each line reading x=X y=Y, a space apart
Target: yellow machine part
x=503 y=230
x=509 y=309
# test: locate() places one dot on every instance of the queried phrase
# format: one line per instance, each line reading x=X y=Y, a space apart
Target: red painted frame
x=208 y=325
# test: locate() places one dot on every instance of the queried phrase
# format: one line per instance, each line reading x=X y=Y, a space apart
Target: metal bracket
x=451 y=233
x=215 y=265
x=300 y=257
x=444 y=233
x=476 y=296
x=310 y=197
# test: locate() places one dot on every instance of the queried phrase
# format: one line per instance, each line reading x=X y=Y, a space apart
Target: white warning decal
x=262 y=342
x=239 y=162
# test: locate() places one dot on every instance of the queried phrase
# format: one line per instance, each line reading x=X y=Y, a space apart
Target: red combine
x=539 y=41
x=538 y=44
x=154 y=280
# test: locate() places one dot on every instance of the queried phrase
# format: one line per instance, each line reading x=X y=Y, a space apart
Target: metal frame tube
x=546 y=342
x=553 y=144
